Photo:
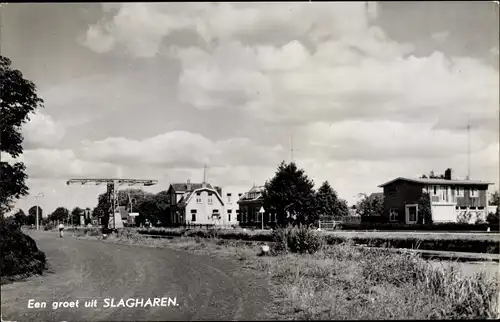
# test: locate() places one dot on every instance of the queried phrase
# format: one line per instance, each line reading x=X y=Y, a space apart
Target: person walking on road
x=61 y=229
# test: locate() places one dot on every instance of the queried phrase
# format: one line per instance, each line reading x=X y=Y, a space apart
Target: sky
x=362 y=92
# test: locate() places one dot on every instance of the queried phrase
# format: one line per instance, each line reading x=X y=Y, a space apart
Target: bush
x=49 y=226
x=297 y=240
x=493 y=220
x=20 y=254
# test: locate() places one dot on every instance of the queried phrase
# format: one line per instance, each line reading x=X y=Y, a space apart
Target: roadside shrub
x=280 y=239
x=92 y=232
x=20 y=254
x=493 y=220
x=49 y=226
x=304 y=240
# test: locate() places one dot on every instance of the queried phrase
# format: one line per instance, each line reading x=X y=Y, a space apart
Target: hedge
x=423 y=242
x=426 y=227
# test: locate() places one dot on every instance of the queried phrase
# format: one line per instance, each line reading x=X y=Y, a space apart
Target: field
x=346 y=282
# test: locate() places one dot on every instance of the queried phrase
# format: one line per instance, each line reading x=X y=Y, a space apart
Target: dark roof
x=182 y=187
x=439 y=181
x=255 y=189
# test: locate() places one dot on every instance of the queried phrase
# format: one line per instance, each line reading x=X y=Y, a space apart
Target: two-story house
x=449 y=198
x=175 y=193
x=196 y=204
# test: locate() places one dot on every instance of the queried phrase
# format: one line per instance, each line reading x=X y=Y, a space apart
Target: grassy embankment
x=311 y=281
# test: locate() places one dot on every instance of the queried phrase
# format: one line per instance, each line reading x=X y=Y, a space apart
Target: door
x=411 y=214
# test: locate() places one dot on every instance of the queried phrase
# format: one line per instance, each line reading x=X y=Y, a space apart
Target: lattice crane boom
x=112 y=189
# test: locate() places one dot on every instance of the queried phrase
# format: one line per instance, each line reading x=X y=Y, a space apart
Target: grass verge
x=346 y=282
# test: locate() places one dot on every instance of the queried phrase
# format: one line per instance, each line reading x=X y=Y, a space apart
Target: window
x=228 y=198
x=210 y=200
x=198 y=193
x=443 y=193
x=460 y=191
x=434 y=190
x=229 y=215
x=473 y=193
x=193 y=214
x=393 y=215
x=238 y=216
x=215 y=213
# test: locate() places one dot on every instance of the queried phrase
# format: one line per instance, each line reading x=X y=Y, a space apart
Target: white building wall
x=204 y=209
x=444 y=213
x=230 y=205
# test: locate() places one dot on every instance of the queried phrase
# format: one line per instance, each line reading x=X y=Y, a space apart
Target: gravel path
x=204 y=287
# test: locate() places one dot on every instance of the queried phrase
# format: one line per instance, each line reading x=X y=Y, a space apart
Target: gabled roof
x=189 y=195
x=182 y=187
x=439 y=181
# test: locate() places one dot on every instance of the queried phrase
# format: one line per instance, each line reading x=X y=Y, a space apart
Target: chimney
x=188 y=185
x=448 y=174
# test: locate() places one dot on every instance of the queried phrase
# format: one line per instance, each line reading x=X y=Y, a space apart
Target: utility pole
x=39 y=195
x=468 y=147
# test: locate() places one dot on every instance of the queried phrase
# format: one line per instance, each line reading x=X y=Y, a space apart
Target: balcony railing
x=439 y=199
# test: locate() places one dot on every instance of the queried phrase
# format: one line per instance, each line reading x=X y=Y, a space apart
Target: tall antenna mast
x=468 y=147
x=205 y=173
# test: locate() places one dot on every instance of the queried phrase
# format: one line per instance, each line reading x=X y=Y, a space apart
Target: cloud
x=387 y=140
x=42 y=131
x=60 y=165
x=141 y=27
x=440 y=37
x=181 y=149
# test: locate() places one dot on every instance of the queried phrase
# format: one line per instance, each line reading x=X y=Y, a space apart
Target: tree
x=424 y=208
x=329 y=205
x=495 y=199
x=432 y=175
x=20 y=217
x=32 y=215
x=60 y=214
x=75 y=215
x=18 y=98
x=142 y=202
x=370 y=206
x=290 y=196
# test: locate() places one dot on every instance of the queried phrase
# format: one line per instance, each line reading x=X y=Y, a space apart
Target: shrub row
x=428 y=227
x=451 y=245
x=455 y=245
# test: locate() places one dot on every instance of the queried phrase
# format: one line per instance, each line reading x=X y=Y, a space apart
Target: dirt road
x=204 y=288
